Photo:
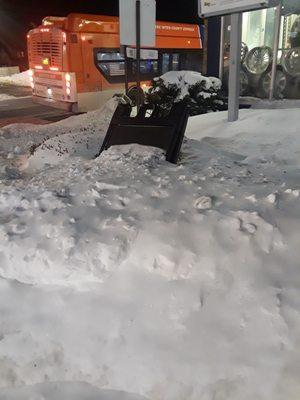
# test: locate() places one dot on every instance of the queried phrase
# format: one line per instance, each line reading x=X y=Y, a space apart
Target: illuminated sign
x=209 y=8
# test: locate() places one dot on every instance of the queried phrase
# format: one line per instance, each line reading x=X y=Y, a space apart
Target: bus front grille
x=46 y=48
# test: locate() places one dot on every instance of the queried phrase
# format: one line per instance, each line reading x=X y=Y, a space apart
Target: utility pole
x=234 y=67
x=138 y=51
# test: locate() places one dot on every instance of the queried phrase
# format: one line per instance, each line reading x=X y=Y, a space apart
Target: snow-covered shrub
x=201 y=93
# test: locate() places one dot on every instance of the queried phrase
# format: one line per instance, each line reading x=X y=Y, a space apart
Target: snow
x=20 y=79
x=127 y=273
x=52 y=143
x=65 y=391
x=4 y=97
x=184 y=80
x=274 y=104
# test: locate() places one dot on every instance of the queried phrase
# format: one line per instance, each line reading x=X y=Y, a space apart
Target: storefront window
x=258 y=32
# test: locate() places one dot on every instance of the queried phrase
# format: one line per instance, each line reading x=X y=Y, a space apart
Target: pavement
x=21 y=108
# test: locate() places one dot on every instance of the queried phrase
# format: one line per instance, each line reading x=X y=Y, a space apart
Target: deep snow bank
x=79 y=135
x=172 y=282
x=259 y=134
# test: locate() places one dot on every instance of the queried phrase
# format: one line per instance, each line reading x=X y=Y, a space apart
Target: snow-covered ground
x=126 y=273
x=65 y=391
x=21 y=79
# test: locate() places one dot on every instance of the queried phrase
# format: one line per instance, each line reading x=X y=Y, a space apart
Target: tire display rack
x=256 y=66
x=255 y=75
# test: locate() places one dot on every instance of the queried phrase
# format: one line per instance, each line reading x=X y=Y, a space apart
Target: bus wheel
x=134 y=92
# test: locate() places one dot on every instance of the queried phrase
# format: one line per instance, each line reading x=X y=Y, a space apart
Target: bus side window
x=170 y=62
x=111 y=64
x=175 y=62
x=148 y=69
x=192 y=61
x=155 y=67
x=165 y=63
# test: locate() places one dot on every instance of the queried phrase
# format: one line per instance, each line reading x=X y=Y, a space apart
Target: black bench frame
x=162 y=129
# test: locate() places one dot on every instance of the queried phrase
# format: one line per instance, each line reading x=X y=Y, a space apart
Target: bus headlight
x=49 y=91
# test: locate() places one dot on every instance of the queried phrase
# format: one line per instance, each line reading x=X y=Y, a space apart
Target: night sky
x=19 y=16
x=35 y=10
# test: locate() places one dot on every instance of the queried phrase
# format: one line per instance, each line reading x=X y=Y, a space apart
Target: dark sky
x=16 y=16
x=35 y=10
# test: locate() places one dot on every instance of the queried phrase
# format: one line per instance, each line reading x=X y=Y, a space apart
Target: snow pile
x=131 y=274
x=19 y=141
x=21 y=79
x=260 y=135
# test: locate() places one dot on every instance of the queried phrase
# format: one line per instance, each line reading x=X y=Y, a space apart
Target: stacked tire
x=255 y=76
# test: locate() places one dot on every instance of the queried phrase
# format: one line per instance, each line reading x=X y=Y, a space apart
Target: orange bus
x=75 y=61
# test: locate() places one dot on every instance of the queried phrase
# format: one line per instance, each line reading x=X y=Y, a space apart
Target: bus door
x=75 y=58
x=169 y=62
x=92 y=80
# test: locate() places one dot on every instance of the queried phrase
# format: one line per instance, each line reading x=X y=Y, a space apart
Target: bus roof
x=59 y=22
x=89 y=23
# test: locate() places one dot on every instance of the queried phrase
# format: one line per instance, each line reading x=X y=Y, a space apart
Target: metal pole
x=126 y=70
x=234 y=66
x=204 y=44
x=275 y=50
x=222 y=40
x=138 y=50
